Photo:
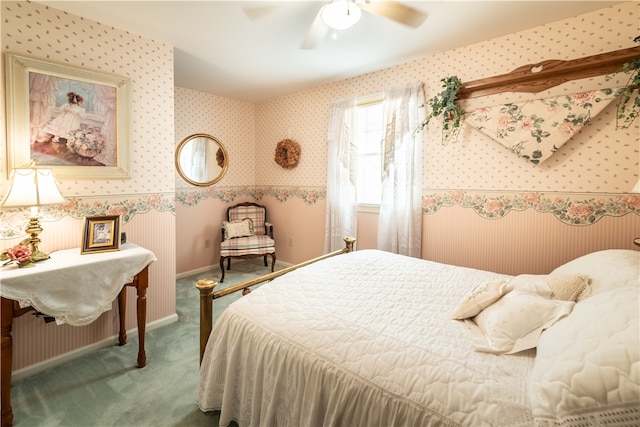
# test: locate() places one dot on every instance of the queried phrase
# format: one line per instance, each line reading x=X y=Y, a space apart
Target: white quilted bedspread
x=363 y=339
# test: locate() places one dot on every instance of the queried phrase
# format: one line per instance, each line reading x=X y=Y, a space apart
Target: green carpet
x=104 y=388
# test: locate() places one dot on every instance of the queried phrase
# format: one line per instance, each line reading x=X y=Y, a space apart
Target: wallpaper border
x=13 y=222
x=309 y=195
x=569 y=208
x=577 y=209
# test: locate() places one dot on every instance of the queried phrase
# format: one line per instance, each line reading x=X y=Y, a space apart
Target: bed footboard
x=207 y=295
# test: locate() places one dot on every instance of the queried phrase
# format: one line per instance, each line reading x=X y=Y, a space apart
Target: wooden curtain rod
x=534 y=78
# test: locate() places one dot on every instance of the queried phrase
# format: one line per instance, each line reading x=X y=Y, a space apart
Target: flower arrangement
x=22 y=255
x=288 y=153
x=444 y=104
x=86 y=142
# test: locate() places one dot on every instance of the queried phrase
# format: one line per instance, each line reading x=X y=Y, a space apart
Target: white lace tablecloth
x=74 y=288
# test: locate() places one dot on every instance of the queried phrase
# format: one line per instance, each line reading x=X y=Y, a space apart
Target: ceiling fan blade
x=255 y=12
x=317 y=32
x=395 y=11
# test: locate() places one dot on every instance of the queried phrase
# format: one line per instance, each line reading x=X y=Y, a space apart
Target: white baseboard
x=214 y=267
x=196 y=271
x=107 y=342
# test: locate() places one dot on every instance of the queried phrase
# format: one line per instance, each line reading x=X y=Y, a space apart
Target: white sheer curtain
x=342 y=158
x=193 y=157
x=400 y=218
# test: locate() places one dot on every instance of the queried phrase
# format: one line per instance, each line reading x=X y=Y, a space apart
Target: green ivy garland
x=444 y=104
x=628 y=108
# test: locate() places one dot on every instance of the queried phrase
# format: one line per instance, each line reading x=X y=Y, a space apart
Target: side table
x=48 y=288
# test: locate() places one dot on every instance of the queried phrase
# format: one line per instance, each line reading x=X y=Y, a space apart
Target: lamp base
x=34 y=229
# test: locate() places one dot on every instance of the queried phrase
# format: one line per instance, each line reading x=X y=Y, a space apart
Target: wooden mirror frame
x=222 y=160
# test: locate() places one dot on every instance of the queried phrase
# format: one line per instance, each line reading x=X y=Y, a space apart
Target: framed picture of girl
x=68 y=119
x=101 y=234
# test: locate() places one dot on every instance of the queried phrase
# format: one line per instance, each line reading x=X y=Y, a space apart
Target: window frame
x=364 y=101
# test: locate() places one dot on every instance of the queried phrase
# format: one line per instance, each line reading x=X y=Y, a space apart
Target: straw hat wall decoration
x=288 y=153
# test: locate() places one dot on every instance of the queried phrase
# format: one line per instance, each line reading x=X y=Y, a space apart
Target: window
x=369 y=139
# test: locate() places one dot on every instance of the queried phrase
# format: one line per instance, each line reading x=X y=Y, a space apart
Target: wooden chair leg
x=265 y=260
x=229 y=263
x=273 y=261
x=222 y=268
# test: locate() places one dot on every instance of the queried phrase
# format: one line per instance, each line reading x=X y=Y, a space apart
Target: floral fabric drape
x=400 y=218
x=536 y=129
x=342 y=170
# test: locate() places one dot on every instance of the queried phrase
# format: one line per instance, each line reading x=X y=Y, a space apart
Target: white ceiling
x=250 y=50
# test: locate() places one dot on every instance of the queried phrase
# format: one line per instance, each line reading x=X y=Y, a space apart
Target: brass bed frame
x=207 y=295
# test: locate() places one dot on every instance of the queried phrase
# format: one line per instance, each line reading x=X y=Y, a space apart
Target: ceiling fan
x=342 y=14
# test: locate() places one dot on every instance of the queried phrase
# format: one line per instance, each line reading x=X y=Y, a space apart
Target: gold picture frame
x=71 y=120
x=101 y=234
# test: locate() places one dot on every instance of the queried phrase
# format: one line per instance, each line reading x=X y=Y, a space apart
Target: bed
x=368 y=338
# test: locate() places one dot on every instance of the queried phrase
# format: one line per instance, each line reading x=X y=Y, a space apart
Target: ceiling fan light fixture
x=341 y=14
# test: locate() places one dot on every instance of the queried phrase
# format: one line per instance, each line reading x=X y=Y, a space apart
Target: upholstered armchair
x=247 y=234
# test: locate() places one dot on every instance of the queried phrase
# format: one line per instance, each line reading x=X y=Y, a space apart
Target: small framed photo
x=101 y=234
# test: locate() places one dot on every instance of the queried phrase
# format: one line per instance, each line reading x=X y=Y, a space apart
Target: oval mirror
x=201 y=159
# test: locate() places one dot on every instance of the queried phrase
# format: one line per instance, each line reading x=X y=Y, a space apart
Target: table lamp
x=32 y=187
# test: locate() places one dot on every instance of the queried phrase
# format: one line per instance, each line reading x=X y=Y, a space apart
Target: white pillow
x=607 y=269
x=587 y=367
x=242 y=228
x=479 y=298
x=514 y=322
x=568 y=287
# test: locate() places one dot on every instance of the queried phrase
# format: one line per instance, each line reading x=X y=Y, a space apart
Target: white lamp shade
x=341 y=14
x=32 y=187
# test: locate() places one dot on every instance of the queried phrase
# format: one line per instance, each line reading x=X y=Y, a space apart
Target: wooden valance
x=534 y=78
